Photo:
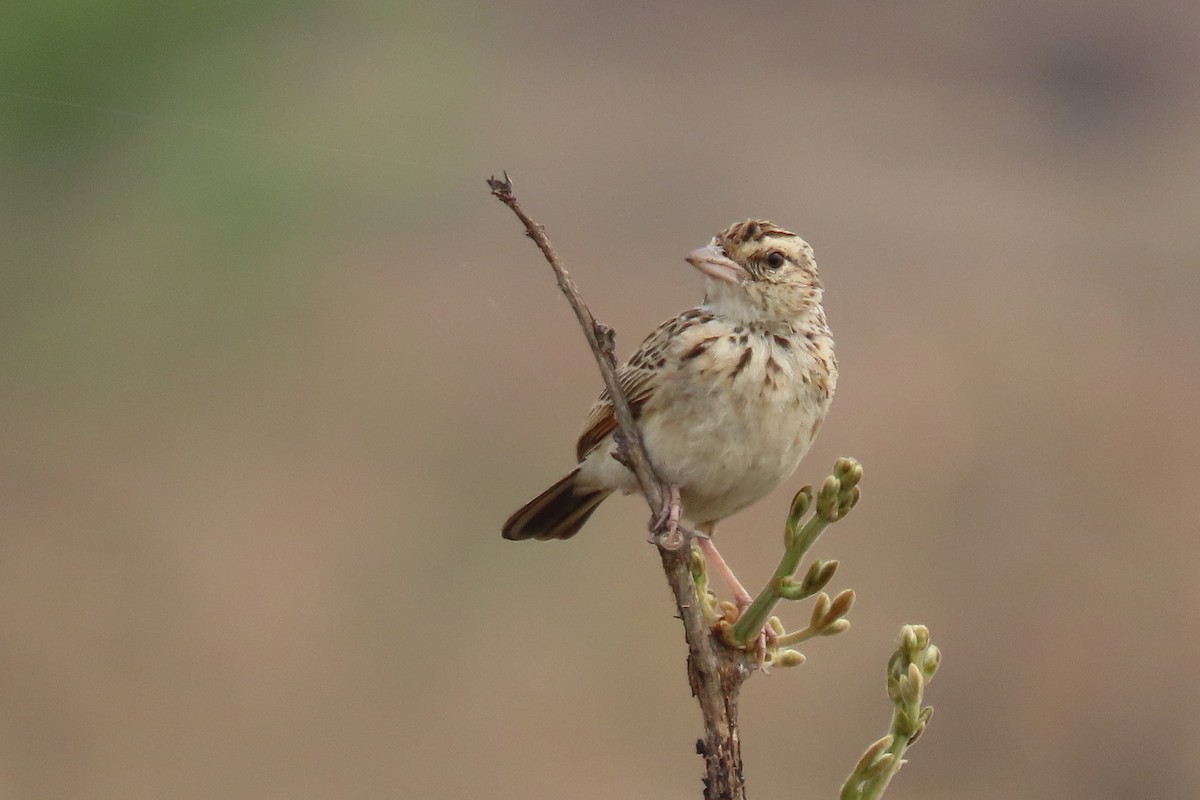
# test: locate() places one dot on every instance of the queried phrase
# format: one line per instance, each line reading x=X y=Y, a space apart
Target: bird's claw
x=759 y=649
x=761 y=644
x=665 y=524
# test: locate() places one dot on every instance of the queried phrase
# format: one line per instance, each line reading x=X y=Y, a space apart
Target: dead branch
x=714 y=672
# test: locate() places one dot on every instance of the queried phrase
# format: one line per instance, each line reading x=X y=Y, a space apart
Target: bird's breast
x=736 y=410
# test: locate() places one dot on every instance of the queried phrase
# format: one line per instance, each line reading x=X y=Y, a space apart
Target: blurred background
x=275 y=367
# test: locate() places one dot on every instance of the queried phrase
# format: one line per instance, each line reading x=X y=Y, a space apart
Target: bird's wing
x=637 y=378
x=636 y=386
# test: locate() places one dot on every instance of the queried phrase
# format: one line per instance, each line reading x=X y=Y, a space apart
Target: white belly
x=725 y=435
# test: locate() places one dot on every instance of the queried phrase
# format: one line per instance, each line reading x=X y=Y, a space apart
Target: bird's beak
x=713 y=262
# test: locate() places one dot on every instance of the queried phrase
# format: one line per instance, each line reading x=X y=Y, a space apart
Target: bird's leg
x=741 y=597
x=666 y=522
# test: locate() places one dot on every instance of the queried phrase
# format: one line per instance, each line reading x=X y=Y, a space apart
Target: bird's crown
x=752 y=230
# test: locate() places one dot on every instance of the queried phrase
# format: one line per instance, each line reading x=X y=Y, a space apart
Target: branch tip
x=501 y=187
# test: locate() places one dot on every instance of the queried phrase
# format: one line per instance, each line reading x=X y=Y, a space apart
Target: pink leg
x=740 y=596
x=666 y=522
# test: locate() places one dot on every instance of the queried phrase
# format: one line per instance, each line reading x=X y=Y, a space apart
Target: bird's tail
x=557 y=513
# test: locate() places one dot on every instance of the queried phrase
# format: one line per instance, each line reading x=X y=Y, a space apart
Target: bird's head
x=759 y=272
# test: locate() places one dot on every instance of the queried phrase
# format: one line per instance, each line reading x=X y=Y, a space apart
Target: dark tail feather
x=557 y=513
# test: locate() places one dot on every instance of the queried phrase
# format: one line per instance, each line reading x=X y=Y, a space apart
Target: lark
x=728 y=395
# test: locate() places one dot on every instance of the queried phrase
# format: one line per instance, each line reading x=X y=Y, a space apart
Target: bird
x=728 y=395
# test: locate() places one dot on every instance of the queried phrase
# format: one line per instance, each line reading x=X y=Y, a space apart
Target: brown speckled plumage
x=729 y=395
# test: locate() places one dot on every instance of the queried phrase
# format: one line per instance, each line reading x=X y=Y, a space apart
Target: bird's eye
x=775 y=259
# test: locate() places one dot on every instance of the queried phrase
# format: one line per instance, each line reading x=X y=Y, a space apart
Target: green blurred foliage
x=170 y=169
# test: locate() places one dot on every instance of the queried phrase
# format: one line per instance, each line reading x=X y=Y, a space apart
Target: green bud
x=790 y=658
x=848 y=500
x=827 y=569
x=922 y=636
x=836 y=627
x=912 y=686
x=800 y=504
x=908 y=640
x=933 y=659
x=873 y=752
x=817 y=577
x=903 y=723
x=848 y=471
x=882 y=766
x=827 y=500
x=897 y=664
x=820 y=609
x=841 y=605
x=788 y=589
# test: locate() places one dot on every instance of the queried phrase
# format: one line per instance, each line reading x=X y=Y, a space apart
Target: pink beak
x=713 y=262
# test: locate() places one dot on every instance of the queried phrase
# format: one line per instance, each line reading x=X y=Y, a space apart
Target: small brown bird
x=729 y=395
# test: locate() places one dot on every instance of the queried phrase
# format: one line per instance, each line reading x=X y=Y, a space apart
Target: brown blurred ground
x=266 y=399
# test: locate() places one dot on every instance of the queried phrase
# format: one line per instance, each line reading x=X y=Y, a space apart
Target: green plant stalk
x=872 y=788
x=910 y=669
x=796 y=637
x=756 y=615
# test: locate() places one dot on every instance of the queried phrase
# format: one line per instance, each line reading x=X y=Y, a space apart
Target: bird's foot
x=742 y=600
x=761 y=644
x=664 y=526
x=762 y=649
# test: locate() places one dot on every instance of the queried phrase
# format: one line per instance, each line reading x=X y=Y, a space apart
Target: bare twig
x=715 y=672
x=600 y=339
